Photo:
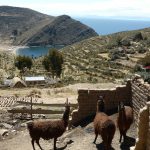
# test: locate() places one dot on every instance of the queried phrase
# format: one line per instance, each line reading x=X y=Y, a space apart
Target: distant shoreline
x=10 y=48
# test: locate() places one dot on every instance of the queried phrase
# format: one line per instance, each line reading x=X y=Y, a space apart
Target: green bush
x=22 y=62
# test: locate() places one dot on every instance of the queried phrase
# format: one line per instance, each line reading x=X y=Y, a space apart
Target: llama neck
x=100 y=109
x=66 y=117
x=122 y=115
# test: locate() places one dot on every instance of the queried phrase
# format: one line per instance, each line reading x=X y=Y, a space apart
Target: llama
x=124 y=120
x=103 y=125
x=49 y=129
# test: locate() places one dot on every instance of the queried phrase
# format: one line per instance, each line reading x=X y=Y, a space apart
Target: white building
x=40 y=80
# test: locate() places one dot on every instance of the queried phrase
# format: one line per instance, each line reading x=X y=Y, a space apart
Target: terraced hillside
x=105 y=58
x=98 y=59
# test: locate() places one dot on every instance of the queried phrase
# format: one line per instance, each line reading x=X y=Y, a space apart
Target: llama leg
x=96 y=135
x=37 y=141
x=32 y=142
x=120 y=137
x=110 y=138
x=55 y=139
x=124 y=137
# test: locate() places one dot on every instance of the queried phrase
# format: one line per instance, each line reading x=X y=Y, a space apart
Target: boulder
x=5 y=125
x=3 y=132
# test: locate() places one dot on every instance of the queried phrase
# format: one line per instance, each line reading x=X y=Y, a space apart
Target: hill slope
x=97 y=60
x=23 y=26
x=105 y=58
x=63 y=30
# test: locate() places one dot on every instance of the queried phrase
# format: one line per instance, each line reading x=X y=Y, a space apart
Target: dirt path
x=78 y=139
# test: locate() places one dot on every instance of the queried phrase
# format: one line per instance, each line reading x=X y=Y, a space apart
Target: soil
x=79 y=138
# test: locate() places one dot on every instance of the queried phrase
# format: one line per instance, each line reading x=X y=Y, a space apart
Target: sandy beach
x=9 y=48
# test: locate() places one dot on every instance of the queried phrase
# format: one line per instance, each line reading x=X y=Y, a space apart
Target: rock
x=13 y=132
x=5 y=125
x=3 y=132
x=68 y=141
x=137 y=37
x=125 y=42
x=23 y=125
x=1 y=137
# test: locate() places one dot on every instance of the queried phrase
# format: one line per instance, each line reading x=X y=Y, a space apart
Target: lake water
x=100 y=25
x=107 y=26
x=35 y=51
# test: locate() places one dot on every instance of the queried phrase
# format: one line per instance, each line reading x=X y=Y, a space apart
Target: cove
x=35 y=51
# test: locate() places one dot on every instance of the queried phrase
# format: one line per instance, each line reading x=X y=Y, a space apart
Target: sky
x=129 y=9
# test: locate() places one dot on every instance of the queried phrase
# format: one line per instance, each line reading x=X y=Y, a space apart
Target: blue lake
x=34 y=51
x=104 y=26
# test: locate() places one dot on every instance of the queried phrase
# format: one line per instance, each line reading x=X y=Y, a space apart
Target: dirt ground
x=56 y=95
x=79 y=138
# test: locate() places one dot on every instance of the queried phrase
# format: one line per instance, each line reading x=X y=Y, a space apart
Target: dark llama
x=103 y=125
x=49 y=129
x=124 y=120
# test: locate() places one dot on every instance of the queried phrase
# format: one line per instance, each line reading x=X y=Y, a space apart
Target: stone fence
x=87 y=100
x=140 y=95
x=143 y=140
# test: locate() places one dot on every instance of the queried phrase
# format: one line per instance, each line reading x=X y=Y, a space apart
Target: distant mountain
x=23 y=26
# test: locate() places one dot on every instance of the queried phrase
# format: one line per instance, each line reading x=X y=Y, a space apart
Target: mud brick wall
x=140 y=95
x=87 y=100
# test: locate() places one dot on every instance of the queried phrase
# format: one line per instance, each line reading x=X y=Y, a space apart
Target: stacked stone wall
x=140 y=95
x=143 y=139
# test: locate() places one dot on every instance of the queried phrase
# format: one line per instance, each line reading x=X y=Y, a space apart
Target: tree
x=22 y=62
x=53 y=62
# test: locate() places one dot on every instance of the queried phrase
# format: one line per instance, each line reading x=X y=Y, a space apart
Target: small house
x=16 y=82
x=31 y=81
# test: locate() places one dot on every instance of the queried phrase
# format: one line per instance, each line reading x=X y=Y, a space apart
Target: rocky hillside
x=22 y=26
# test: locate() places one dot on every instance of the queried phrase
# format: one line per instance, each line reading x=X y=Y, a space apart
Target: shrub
x=22 y=62
x=146 y=60
x=53 y=62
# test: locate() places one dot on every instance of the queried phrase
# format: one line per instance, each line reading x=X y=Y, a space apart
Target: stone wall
x=87 y=100
x=143 y=140
x=135 y=93
x=140 y=95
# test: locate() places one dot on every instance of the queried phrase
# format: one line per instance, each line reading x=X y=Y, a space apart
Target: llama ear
x=67 y=101
x=119 y=105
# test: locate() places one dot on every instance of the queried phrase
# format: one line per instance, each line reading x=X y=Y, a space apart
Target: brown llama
x=103 y=125
x=124 y=120
x=49 y=129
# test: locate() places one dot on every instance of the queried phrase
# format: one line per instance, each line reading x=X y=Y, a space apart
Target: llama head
x=100 y=104
x=67 y=105
x=120 y=106
x=67 y=110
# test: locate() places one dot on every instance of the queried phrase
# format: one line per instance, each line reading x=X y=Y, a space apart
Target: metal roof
x=34 y=79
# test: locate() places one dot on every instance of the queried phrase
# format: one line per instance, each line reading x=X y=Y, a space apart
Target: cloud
x=102 y=8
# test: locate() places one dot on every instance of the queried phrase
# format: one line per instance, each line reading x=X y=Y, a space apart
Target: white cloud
x=115 y=8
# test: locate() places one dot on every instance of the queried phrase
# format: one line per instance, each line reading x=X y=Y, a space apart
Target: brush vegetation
x=110 y=58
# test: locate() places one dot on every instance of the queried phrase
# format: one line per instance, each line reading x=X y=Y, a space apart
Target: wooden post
x=31 y=109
